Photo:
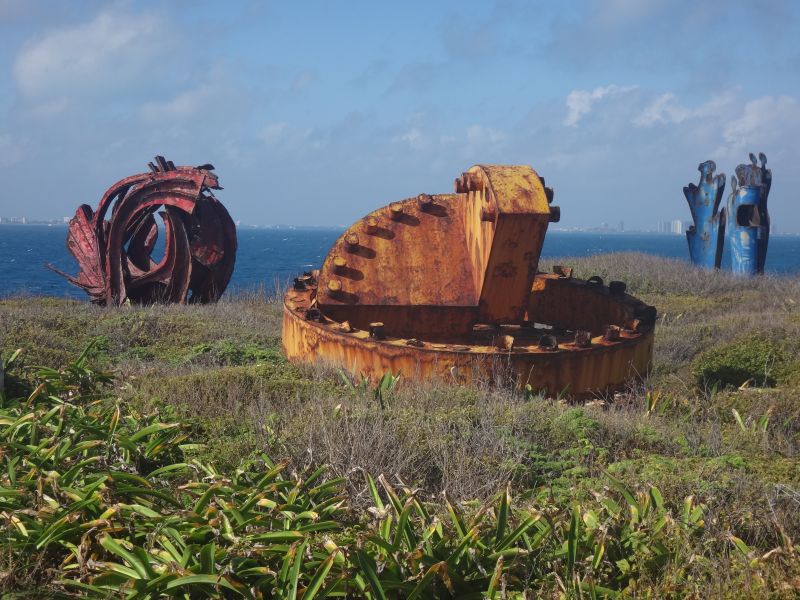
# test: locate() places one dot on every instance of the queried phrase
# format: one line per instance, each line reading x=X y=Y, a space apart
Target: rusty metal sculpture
x=447 y=285
x=115 y=254
x=707 y=235
x=748 y=218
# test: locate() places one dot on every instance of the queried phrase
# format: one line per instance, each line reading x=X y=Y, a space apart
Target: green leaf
x=319 y=577
x=368 y=568
x=427 y=579
x=144 y=570
x=502 y=514
x=150 y=429
x=572 y=538
x=215 y=580
x=294 y=573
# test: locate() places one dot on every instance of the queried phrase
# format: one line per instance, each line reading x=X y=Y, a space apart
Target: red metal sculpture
x=114 y=255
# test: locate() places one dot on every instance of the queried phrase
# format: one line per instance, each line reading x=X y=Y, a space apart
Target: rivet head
x=488 y=214
x=334 y=285
x=397 y=209
x=352 y=240
x=634 y=325
x=425 y=201
x=548 y=342
x=339 y=262
x=562 y=271
x=583 y=338
x=595 y=281
x=371 y=224
x=376 y=331
x=504 y=342
x=617 y=288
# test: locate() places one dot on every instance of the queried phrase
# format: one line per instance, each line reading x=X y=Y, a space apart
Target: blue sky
x=317 y=112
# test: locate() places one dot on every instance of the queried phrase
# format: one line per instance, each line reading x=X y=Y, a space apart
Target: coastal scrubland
x=182 y=455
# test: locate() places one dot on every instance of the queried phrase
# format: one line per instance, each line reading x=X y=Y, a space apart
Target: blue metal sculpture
x=706 y=236
x=747 y=217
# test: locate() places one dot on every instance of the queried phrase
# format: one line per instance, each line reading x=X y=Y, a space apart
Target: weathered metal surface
x=747 y=216
x=115 y=254
x=578 y=363
x=707 y=235
x=448 y=286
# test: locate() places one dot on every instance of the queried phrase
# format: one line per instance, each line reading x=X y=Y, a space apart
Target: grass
x=726 y=447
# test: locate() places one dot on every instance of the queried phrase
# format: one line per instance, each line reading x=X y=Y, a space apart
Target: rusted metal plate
x=114 y=254
x=577 y=364
x=447 y=286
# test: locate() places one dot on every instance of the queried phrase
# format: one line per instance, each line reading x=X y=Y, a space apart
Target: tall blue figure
x=747 y=217
x=706 y=236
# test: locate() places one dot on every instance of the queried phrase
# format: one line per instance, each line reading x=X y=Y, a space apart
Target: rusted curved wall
x=606 y=364
x=447 y=285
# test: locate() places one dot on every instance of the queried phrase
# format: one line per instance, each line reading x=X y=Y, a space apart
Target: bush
x=758 y=360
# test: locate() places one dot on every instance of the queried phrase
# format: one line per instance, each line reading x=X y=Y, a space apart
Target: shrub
x=758 y=360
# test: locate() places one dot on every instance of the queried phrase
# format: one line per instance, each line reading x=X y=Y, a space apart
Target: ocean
x=269 y=256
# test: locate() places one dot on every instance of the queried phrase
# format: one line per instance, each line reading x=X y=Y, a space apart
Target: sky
x=315 y=113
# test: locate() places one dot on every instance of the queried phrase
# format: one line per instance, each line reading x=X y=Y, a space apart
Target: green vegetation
x=182 y=456
x=759 y=361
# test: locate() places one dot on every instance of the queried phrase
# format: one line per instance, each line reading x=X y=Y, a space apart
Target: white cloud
x=284 y=136
x=667 y=109
x=186 y=104
x=664 y=109
x=110 y=50
x=414 y=137
x=763 y=123
x=580 y=102
x=478 y=134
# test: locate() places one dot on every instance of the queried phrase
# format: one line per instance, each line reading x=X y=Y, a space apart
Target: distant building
x=675 y=227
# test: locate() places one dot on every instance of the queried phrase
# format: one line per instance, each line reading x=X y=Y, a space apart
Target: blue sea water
x=267 y=256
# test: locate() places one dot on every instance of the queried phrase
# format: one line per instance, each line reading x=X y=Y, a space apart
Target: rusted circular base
x=587 y=338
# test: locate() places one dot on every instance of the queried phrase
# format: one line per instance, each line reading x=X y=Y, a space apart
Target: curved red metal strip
x=115 y=253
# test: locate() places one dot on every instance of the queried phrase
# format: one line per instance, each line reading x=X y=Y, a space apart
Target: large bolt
x=595 y=281
x=562 y=271
x=611 y=333
x=617 y=288
x=377 y=331
x=371 y=224
x=334 y=286
x=504 y=342
x=339 y=263
x=488 y=214
x=345 y=327
x=352 y=241
x=397 y=210
x=633 y=325
x=548 y=342
x=583 y=338
x=425 y=201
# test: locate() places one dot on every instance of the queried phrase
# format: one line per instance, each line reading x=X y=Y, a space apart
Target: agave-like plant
x=116 y=504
